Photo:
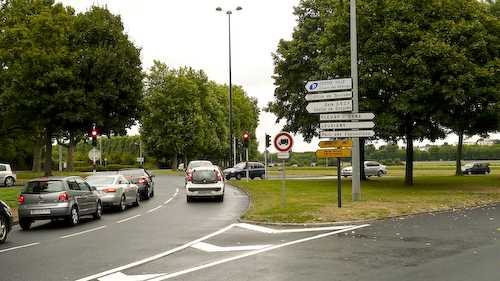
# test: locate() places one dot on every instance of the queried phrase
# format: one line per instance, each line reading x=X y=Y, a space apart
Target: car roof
x=60 y=178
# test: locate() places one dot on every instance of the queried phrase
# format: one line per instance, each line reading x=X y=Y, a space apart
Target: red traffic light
x=94 y=133
x=245 y=136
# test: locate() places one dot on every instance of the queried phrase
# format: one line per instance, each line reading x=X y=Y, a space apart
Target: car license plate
x=204 y=192
x=40 y=212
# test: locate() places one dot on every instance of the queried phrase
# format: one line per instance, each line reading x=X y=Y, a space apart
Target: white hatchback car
x=205 y=182
x=7 y=176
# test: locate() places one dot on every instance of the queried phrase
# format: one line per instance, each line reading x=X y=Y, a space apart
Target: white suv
x=7 y=176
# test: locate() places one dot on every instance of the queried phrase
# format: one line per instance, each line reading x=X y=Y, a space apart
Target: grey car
x=115 y=190
x=142 y=178
x=52 y=198
x=7 y=176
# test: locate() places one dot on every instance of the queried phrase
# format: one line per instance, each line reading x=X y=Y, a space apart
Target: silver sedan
x=115 y=190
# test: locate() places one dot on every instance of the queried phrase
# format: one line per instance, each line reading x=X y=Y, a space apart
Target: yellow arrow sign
x=328 y=153
x=339 y=143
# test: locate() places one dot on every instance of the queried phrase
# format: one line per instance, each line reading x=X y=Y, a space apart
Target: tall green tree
x=410 y=64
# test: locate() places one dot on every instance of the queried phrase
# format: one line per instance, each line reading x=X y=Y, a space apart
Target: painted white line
x=124 y=220
x=122 y=277
x=291 y=230
x=83 y=232
x=168 y=276
x=19 y=247
x=213 y=248
x=166 y=202
x=149 y=259
x=154 y=209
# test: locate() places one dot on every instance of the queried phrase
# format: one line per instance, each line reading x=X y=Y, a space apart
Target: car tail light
x=141 y=180
x=128 y=176
x=190 y=176
x=20 y=199
x=109 y=190
x=219 y=178
x=63 y=197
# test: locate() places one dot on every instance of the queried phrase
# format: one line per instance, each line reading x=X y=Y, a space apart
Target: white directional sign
x=347 y=116
x=329 y=106
x=329 y=96
x=329 y=85
x=347 y=134
x=346 y=125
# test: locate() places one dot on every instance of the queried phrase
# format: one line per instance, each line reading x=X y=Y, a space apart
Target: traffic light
x=94 y=137
x=237 y=143
x=268 y=140
x=246 y=136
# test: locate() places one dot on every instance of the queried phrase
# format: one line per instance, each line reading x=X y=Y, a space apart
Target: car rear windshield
x=205 y=176
x=100 y=180
x=43 y=187
x=131 y=172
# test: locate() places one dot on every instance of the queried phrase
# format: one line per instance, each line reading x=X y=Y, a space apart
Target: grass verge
x=313 y=201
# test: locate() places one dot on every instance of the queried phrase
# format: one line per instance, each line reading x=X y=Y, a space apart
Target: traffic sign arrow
x=329 y=96
x=327 y=153
x=329 y=85
x=329 y=106
x=347 y=116
x=347 y=134
x=346 y=125
x=338 y=143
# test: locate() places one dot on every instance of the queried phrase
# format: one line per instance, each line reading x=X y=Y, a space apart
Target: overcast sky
x=192 y=33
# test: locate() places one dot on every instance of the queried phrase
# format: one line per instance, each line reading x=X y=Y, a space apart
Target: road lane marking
x=124 y=220
x=291 y=230
x=83 y=232
x=154 y=209
x=19 y=247
x=213 y=248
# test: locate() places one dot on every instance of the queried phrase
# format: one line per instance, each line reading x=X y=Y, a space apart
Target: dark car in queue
x=205 y=182
x=6 y=221
x=142 y=179
x=52 y=198
x=255 y=169
x=476 y=168
x=115 y=190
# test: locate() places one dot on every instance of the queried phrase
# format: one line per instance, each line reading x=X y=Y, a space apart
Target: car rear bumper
x=56 y=211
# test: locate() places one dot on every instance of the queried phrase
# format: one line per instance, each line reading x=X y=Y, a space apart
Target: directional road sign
x=329 y=85
x=337 y=143
x=329 y=106
x=327 y=153
x=329 y=96
x=347 y=116
x=346 y=125
x=347 y=134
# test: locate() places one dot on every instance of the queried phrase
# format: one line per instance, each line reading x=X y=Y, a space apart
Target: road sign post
x=283 y=142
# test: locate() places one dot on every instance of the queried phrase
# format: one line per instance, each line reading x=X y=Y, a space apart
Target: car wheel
x=98 y=212
x=122 y=205
x=137 y=199
x=262 y=176
x=221 y=198
x=238 y=176
x=3 y=229
x=152 y=192
x=74 y=217
x=9 y=181
x=228 y=177
x=469 y=173
x=188 y=198
x=146 y=194
x=25 y=224
x=380 y=174
x=487 y=172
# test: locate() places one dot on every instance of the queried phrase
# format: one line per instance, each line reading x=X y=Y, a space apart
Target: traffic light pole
x=247 y=163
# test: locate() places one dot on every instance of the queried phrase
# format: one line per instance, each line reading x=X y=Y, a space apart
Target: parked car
x=7 y=176
x=476 y=168
x=5 y=221
x=142 y=178
x=115 y=190
x=372 y=168
x=180 y=167
x=196 y=163
x=205 y=182
x=255 y=169
x=68 y=197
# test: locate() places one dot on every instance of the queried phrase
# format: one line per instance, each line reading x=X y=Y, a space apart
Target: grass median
x=315 y=200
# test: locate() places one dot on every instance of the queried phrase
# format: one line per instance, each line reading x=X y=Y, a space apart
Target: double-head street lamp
x=231 y=141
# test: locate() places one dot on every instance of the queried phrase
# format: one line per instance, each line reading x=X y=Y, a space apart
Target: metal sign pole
x=283 y=183
x=339 y=183
x=247 y=165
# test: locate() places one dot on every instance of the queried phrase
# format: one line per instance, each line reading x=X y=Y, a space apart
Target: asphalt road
x=167 y=238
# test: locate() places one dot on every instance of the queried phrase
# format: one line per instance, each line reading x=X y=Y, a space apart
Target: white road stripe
x=136 y=216
x=83 y=232
x=19 y=247
x=154 y=209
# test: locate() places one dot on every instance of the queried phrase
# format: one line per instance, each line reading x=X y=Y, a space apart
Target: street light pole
x=232 y=158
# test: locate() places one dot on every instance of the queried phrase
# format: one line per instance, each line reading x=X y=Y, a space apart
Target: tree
x=409 y=64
